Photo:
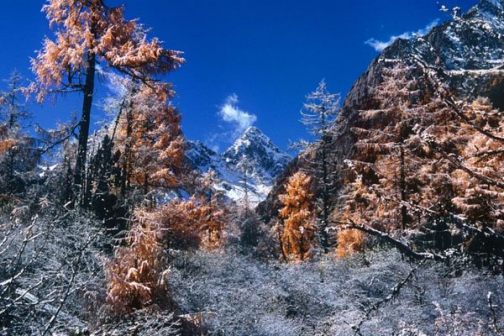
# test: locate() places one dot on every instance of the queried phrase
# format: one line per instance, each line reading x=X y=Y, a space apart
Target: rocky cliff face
x=468 y=54
x=469 y=49
x=251 y=159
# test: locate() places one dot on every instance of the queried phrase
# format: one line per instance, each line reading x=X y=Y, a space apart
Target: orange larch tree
x=150 y=138
x=376 y=178
x=298 y=228
x=425 y=166
x=88 y=33
x=478 y=183
x=349 y=242
x=199 y=221
x=136 y=276
x=389 y=176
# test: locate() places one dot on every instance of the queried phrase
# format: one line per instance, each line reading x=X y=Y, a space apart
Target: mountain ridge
x=467 y=52
x=253 y=152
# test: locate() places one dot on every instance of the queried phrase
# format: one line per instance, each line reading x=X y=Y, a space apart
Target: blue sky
x=256 y=58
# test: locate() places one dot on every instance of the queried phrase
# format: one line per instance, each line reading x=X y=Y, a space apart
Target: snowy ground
x=234 y=294
x=238 y=295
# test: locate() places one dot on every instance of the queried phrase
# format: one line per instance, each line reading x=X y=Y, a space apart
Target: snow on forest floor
x=235 y=294
x=240 y=295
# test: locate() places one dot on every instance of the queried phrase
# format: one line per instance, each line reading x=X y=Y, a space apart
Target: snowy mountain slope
x=468 y=51
x=253 y=152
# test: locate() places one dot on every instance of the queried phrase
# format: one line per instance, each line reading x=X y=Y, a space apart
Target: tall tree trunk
x=12 y=109
x=283 y=254
x=127 y=155
x=79 y=175
x=324 y=198
x=127 y=151
x=402 y=187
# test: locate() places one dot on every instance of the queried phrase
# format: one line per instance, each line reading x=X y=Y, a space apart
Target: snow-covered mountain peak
x=252 y=157
x=251 y=137
x=469 y=50
x=254 y=152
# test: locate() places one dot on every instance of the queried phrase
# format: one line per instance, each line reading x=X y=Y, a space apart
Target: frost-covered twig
x=396 y=243
x=492 y=307
x=17 y=268
x=395 y=291
x=69 y=287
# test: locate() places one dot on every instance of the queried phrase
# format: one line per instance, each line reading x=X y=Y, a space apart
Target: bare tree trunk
x=402 y=187
x=127 y=152
x=79 y=175
x=324 y=235
x=280 y=241
x=12 y=111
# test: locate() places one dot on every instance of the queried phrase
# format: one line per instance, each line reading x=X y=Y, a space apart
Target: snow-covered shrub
x=241 y=295
x=50 y=273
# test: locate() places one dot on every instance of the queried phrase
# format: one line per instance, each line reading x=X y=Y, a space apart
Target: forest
x=388 y=221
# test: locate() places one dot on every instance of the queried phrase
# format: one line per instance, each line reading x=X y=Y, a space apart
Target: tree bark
x=127 y=151
x=324 y=235
x=405 y=249
x=85 y=122
x=402 y=187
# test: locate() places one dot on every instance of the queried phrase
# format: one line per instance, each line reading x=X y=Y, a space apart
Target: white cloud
x=231 y=113
x=235 y=123
x=380 y=45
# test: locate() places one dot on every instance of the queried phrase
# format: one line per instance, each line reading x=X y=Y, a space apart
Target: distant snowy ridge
x=254 y=153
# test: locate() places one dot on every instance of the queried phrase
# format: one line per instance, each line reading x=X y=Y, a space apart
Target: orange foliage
x=6 y=145
x=349 y=242
x=477 y=196
x=193 y=223
x=150 y=137
x=389 y=176
x=197 y=222
x=415 y=160
x=180 y=223
x=298 y=227
x=8 y=139
x=135 y=277
x=88 y=28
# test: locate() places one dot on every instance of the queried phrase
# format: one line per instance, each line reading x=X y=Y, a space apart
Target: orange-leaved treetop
x=88 y=33
x=150 y=138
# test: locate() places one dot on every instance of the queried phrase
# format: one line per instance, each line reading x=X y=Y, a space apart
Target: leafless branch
x=492 y=307
x=395 y=291
x=74 y=266
x=394 y=242
x=53 y=144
